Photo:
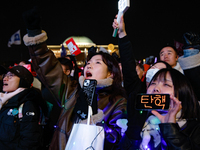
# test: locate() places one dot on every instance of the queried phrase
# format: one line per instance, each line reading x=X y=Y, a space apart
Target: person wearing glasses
x=20 y=107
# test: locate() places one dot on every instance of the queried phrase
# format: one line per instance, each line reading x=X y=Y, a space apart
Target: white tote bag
x=86 y=136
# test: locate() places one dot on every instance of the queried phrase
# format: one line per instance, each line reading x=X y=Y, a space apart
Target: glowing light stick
x=123 y=5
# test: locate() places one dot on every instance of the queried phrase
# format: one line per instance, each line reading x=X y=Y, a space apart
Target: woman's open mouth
x=5 y=84
x=88 y=74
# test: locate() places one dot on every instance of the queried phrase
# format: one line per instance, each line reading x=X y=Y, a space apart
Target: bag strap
x=20 y=115
x=89 y=114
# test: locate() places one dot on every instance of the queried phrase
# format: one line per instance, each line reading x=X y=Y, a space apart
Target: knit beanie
x=26 y=78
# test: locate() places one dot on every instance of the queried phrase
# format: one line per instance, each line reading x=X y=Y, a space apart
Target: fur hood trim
x=100 y=83
x=29 y=41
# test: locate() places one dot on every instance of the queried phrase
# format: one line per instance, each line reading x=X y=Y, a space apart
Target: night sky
x=150 y=25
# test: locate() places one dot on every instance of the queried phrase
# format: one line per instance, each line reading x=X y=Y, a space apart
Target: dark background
x=150 y=25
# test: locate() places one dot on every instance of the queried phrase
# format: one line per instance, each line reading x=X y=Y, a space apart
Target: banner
x=15 y=39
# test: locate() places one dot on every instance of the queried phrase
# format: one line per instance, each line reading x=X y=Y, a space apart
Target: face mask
x=150 y=74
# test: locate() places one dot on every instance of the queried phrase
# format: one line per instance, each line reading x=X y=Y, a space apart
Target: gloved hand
x=81 y=106
x=32 y=21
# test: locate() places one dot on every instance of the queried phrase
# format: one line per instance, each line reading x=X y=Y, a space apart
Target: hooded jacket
x=21 y=132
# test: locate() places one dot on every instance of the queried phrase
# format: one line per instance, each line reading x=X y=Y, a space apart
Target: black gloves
x=32 y=21
x=81 y=106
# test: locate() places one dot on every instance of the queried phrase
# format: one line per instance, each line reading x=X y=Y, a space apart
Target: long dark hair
x=113 y=68
x=183 y=91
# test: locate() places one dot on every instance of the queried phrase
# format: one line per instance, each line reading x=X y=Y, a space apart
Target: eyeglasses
x=8 y=75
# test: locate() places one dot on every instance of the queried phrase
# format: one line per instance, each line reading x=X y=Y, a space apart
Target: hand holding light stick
x=123 y=6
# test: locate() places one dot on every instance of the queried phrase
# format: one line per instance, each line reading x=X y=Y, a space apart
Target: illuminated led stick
x=123 y=5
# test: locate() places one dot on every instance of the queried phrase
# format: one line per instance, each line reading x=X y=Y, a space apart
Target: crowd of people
x=38 y=110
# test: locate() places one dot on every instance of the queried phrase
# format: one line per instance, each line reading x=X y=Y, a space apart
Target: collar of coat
x=100 y=83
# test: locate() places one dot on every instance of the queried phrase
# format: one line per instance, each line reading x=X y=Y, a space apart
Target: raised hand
x=120 y=26
x=32 y=19
x=170 y=117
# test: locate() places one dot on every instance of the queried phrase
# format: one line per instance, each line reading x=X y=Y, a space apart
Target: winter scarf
x=4 y=97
